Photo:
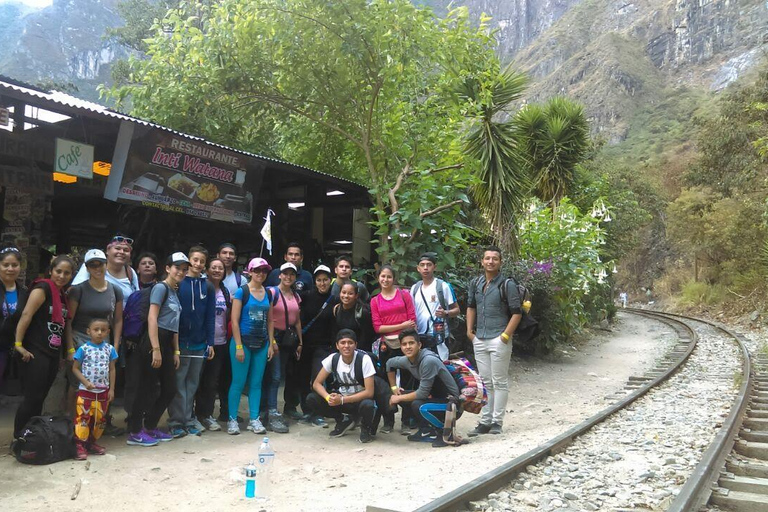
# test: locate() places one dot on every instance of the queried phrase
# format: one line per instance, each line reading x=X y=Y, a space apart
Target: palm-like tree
x=555 y=138
x=492 y=141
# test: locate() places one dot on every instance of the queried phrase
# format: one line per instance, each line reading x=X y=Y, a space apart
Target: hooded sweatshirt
x=198 y=313
x=434 y=378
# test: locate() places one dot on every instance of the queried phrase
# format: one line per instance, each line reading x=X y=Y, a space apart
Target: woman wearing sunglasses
x=94 y=298
x=119 y=271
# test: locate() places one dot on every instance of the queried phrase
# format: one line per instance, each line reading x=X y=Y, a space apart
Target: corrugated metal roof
x=78 y=104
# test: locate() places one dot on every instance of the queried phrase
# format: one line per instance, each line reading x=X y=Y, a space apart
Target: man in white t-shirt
x=351 y=397
x=435 y=303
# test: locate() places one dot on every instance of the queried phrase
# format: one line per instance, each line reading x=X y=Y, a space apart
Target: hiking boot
x=178 y=432
x=232 y=427
x=319 y=421
x=141 y=439
x=342 y=426
x=495 y=429
x=211 y=424
x=292 y=413
x=275 y=423
x=479 y=429
x=424 y=435
x=256 y=427
x=159 y=435
x=365 y=435
x=95 y=449
x=82 y=453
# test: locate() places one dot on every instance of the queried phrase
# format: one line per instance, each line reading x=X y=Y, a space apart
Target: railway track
x=738 y=488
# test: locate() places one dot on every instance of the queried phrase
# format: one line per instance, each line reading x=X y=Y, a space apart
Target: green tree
x=369 y=85
x=555 y=139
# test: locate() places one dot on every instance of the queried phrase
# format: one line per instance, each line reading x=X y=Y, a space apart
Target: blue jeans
x=276 y=370
x=251 y=370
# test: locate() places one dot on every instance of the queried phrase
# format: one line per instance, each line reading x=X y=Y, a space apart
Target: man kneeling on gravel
x=437 y=388
x=351 y=398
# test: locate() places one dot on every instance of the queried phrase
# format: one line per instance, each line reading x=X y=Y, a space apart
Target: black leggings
x=363 y=410
x=37 y=377
x=210 y=383
x=149 y=407
x=407 y=382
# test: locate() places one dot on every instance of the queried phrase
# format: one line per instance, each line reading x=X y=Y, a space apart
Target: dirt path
x=315 y=473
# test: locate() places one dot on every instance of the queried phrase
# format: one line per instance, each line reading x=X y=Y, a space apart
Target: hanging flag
x=266 y=230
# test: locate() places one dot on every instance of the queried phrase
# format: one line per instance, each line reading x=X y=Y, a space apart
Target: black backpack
x=528 y=328
x=136 y=311
x=380 y=372
x=45 y=440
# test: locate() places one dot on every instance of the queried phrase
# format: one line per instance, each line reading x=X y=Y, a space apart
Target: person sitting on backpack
x=352 y=313
x=435 y=303
x=436 y=386
x=491 y=322
x=352 y=396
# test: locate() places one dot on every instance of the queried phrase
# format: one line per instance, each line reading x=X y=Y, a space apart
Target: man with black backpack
x=493 y=313
x=435 y=304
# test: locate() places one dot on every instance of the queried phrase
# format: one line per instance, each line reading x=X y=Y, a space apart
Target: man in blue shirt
x=293 y=254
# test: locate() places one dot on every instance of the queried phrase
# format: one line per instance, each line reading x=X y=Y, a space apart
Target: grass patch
x=702 y=294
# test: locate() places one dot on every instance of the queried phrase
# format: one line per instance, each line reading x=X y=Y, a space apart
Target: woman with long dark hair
x=39 y=338
x=13 y=298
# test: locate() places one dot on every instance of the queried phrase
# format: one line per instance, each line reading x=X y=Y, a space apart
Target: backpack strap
x=440 y=294
x=335 y=366
x=246 y=293
x=359 y=355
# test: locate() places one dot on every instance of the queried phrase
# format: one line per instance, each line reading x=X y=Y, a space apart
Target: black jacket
x=8 y=323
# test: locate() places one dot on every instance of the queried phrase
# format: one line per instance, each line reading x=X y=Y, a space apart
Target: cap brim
x=103 y=260
x=260 y=266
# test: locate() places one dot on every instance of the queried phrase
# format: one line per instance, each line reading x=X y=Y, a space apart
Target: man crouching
x=351 y=396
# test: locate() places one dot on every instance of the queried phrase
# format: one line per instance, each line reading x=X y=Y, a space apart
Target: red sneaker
x=82 y=453
x=96 y=449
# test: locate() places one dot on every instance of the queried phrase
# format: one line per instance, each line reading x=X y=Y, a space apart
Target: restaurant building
x=74 y=173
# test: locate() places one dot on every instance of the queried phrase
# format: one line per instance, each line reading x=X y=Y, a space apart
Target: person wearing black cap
x=351 y=397
x=435 y=302
x=294 y=255
x=317 y=322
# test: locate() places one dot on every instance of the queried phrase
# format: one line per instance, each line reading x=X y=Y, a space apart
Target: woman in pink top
x=392 y=311
x=287 y=323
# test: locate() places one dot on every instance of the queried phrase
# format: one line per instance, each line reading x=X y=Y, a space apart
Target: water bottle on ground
x=264 y=469
x=250 y=480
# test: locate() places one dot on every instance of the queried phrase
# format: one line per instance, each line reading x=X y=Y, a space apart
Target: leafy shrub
x=698 y=293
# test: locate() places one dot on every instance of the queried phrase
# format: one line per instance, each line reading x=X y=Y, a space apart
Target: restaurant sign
x=173 y=173
x=74 y=158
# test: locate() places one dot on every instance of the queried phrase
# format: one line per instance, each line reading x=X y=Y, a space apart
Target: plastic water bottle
x=264 y=469
x=250 y=480
x=438 y=330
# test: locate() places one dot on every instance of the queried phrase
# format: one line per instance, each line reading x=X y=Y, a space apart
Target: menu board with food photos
x=173 y=173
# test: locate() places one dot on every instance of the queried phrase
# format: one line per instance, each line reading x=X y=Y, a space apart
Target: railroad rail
x=698 y=489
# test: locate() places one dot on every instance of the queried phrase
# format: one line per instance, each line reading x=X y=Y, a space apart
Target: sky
x=31 y=3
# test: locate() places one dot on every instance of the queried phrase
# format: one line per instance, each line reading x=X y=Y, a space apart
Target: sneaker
x=405 y=429
x=194 y=431
x=319 y=421
x=292 y=413
x=495 y=429
x=256 y=427
x=82 y=453
x=306 y=419
x=141 y=439
x=159 y=435
x=342 y=426
x=365 y=435
x=387 y=428
x=211 y=424
x=275 y=423
x=113 y=431
x=178 y=432
x=479 y=429
x=232 y=427
x=439 y=442
x=195 y=423
x=424 y=435
x=95 y=449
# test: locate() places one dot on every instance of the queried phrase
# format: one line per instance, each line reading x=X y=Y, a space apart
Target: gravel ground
x=639 y=458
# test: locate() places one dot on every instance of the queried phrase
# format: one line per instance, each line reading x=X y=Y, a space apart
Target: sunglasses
x=120 y=239
x=94 y=264
x=260 y=270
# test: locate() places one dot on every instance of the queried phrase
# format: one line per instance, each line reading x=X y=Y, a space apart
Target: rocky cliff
x=63 y=43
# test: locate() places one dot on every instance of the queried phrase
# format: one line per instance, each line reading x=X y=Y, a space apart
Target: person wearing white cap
x=118 y=270
x=159 y=352
x=94 y=298
x=317 y=320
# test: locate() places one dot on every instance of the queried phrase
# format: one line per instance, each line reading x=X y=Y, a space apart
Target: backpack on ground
x=136 y=311
x=45 y=440
x=472 y=393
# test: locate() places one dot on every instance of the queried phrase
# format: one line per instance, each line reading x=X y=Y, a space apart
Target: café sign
x=74 y=158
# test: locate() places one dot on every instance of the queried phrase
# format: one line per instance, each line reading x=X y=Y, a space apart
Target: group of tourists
x=177 y=335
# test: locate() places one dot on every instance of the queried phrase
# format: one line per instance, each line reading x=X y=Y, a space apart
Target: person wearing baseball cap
x=118 y=270
x=94 y=298
x=295 y=255
x=252 y=345
x=435 y=303
x=317 y=321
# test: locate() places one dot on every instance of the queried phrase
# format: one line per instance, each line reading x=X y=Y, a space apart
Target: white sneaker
x=211 y=424
x=232 y=427
x=256 y=427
